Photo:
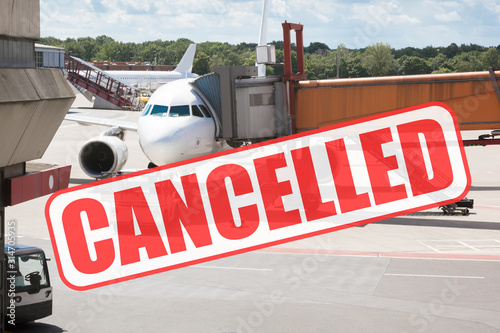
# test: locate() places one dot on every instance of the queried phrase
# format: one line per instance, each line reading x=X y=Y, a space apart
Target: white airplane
x=153 y=79
x=174 y=125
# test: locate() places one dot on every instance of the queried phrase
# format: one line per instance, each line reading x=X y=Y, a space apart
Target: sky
x=356 y=24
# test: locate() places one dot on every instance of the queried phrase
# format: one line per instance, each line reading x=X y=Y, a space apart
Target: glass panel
x=261 y=99
x=179 y=111
x=159 y=110
x=31 y=274
x=146 y=110
x=196 y=111
x=38 y=59
x=205 y=111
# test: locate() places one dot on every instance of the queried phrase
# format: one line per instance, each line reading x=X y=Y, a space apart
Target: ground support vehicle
x=29 y=293
x=463 y=206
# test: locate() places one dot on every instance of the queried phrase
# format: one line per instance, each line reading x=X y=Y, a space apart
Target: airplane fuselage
x=176 y=125
x=152 y=79
x=145 y=78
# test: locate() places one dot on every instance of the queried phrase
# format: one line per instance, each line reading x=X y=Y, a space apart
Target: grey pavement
x=424 y=272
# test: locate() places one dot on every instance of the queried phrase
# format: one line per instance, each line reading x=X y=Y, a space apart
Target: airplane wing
x=86 y=120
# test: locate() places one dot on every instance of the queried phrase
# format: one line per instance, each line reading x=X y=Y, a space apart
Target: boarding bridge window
x=196 y=111
x=205 y=111
x=159 y=110
x=179 y=111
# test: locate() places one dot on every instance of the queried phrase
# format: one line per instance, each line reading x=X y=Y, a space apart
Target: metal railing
x=101 y=84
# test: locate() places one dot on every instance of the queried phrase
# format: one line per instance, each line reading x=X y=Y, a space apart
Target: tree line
x=321 y=62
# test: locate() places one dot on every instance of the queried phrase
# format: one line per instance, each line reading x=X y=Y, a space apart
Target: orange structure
x=474 y=97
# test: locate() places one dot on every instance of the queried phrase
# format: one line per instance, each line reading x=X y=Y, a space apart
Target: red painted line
x=487 y=207
x=408 y=255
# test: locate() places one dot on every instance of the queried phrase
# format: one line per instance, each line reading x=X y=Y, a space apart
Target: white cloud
x=405 y=19
x=448 y=17
x=278 y=8
x=384 y=12
x=442 y=9
x=209 y=7
x=399 y=23
x=473 y=2
x=493 y=6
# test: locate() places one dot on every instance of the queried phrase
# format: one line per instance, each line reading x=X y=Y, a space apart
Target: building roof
x=41 y=46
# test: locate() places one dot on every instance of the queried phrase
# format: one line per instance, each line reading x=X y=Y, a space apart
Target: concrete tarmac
x=423 y=272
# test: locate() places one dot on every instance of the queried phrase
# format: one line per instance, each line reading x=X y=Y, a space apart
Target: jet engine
x=103 y=154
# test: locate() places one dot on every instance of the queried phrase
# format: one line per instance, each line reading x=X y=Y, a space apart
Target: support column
x=289 y=78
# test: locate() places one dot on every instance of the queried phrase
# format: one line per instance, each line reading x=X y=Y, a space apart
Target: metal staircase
x=99 y=83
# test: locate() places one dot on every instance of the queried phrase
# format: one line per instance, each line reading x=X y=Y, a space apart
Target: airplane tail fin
x=186 y=63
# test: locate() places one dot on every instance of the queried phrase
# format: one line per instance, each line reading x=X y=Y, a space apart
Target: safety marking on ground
x=475 y=245
x=436 y=276
x=401 y=255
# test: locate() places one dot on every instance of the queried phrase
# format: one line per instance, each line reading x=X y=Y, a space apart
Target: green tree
x=440 y=64
x=241 y=47
x=216 y=61
x=109 y=52
x=428 y=52
x=201 y=64
x=491 y=58
x=379 y=60
x=442 y=70
x=127 y=51
x=150 y=51
x=410 y=65
x=89 y=47
x=472 y=47
x=451 y=50
x=320 y=61
x=320 y=65
x=103 y=39
x=407 y=51
x=280 y=58
x=73 y=48
x=279 y=45
x=467 y=62
x=315 y=46
x=249 y=58
x=175 y=50
x=51 y=41
x=352 y=66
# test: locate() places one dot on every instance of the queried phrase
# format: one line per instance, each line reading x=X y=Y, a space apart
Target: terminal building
x=49 y=56
x=33 y=103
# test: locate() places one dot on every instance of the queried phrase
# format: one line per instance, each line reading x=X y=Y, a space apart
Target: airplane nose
x=162 y=144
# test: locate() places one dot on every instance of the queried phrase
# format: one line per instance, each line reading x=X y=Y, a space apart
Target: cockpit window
x=196 y=111
x=146 y=110
x=159 y=110
x=205 y=111
x=179 y=111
